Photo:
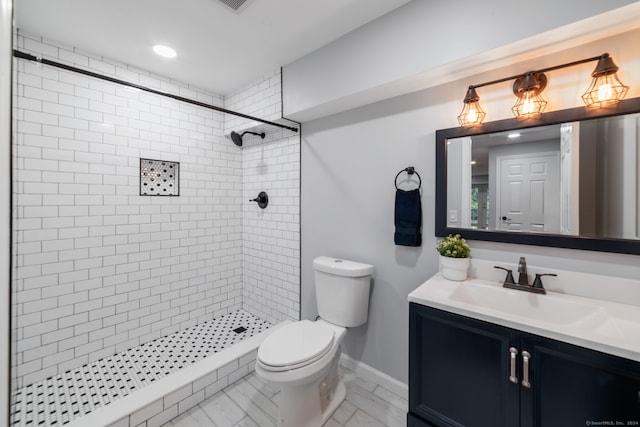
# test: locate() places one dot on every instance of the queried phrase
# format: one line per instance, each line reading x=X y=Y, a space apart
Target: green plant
x=454 y=247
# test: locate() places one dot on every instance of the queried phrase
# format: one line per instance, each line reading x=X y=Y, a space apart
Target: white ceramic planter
x=454 y=268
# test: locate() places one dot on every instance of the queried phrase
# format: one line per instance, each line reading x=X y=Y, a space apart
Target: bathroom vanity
x=483 y=355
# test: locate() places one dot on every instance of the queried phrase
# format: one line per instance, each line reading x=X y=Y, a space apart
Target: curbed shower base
x=151 y=383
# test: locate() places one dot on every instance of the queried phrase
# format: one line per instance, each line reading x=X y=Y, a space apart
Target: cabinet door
x=413 y=421
x=459 y=370
x=574 y=386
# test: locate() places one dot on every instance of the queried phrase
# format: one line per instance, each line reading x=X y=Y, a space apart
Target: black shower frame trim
x=29 y=57
x=299 y=192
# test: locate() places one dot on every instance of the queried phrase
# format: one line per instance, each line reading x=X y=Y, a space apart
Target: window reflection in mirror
x=574 y=179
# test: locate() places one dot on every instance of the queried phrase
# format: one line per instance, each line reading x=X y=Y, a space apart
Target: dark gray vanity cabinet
x=467 y=372
x=459 y=371
x=573 y=385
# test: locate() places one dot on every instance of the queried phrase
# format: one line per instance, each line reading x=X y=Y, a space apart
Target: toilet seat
x=295 y=345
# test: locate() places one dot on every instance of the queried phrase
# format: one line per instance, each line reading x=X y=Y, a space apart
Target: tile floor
x=57 y=400
x=250 y=402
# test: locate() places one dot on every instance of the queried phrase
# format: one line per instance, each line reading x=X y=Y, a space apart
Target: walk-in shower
x=114 y=288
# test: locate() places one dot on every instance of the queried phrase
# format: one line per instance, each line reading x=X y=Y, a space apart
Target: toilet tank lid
x=342 y=267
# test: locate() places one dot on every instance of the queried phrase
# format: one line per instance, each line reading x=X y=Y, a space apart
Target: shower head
x=237 y=138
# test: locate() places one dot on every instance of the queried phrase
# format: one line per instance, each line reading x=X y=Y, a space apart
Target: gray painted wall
x=349 y=161
x=348 y=165
x=395 y=52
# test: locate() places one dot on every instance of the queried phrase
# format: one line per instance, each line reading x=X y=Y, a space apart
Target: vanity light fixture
x=528 y=88
x=605 y=90
x=472 y=114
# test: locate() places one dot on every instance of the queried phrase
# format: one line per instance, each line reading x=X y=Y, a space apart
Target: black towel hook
x=410 y=171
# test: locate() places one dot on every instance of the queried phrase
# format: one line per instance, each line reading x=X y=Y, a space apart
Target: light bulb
x=528 y=106
x=605 y=92
x=472 y=115
x=606 y=89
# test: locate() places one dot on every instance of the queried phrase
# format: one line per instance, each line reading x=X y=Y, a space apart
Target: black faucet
x=523 y=279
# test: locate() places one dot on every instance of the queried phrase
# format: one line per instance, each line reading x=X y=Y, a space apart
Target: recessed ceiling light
x=164 y=51
x=513 y=135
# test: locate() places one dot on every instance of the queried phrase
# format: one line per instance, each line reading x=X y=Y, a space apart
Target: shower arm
x=29 y=57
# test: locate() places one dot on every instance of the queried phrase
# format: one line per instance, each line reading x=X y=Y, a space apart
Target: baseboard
x=371 y=374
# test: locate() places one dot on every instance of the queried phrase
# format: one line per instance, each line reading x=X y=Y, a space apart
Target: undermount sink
x=544 y=308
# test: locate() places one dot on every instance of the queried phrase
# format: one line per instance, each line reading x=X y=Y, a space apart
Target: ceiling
x=219 y=49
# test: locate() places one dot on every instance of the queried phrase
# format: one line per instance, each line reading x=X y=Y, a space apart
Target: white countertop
x=605 y=326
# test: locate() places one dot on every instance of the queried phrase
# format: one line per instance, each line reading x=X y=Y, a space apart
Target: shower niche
x=159 y=178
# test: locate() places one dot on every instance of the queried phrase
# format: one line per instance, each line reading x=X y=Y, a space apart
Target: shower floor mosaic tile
x=56 y=401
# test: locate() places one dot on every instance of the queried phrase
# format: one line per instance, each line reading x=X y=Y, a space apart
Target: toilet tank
x=342 y=290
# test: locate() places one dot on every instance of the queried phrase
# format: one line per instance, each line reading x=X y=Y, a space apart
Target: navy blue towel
x=408 y=218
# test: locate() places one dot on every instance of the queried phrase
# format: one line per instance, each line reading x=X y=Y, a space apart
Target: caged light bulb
x=605 y=92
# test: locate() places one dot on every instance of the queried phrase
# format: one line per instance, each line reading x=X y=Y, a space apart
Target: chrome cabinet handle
x=513 y=377
x=525 y=369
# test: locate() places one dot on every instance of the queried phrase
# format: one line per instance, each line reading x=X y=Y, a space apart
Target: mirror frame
x=623 y=246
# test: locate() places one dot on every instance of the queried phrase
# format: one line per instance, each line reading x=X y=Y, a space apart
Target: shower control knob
x=262 y=200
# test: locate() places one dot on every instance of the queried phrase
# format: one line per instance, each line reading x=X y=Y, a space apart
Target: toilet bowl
x=302 y=357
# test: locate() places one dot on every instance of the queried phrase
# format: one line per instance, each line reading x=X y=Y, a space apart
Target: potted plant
x=454 y=257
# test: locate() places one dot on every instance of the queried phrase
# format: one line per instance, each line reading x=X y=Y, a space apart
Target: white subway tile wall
x=271 y=236
x=262 y=99
x=100 y=269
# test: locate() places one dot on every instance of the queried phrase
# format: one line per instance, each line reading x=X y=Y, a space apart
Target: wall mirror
x=568 y=179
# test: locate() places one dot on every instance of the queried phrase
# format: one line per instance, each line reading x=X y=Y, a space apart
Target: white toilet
x=302 y=357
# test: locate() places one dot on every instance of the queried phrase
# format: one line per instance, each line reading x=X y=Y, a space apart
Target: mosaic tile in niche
x=159 y=178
